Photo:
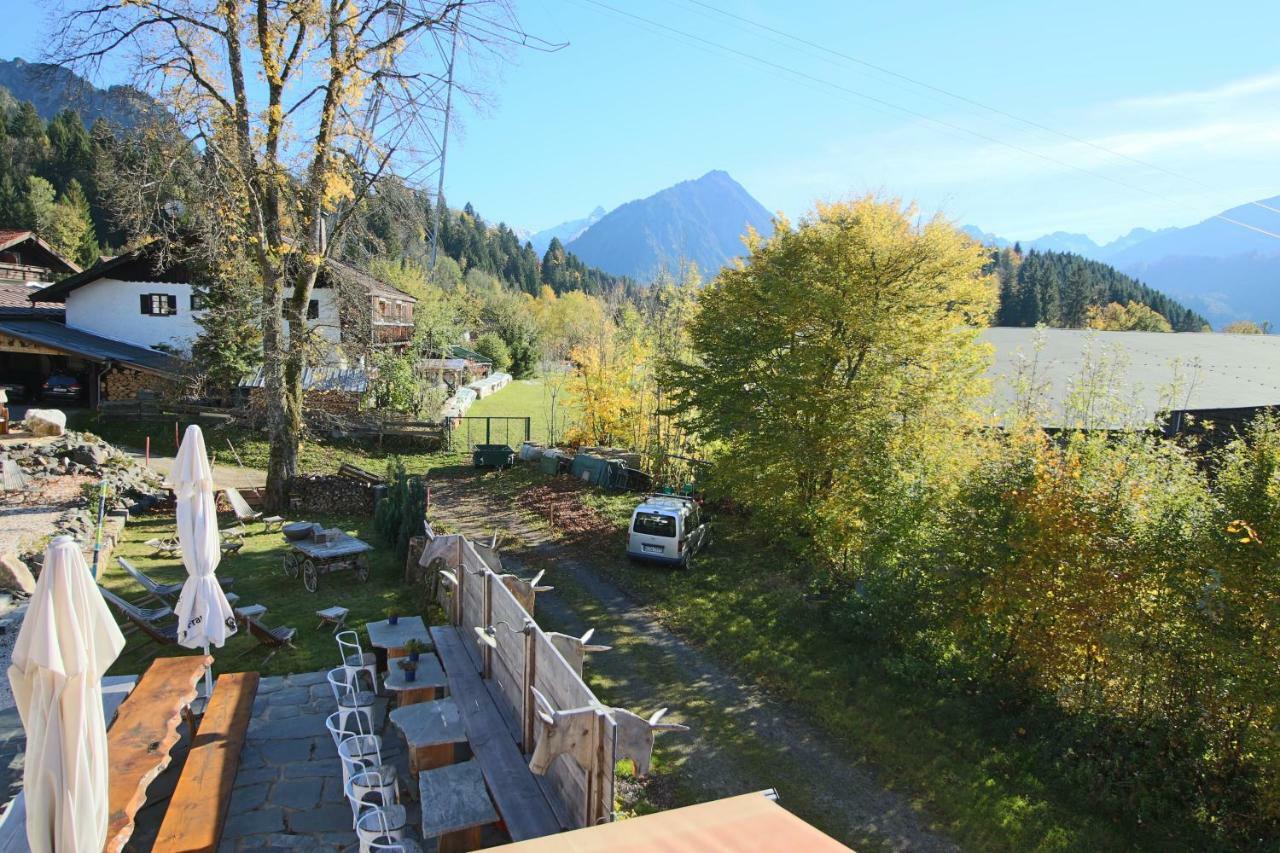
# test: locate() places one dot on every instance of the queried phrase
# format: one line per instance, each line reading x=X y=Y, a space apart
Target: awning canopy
x=749 y=822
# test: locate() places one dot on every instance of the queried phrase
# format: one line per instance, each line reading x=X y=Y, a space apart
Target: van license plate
x=653 y=549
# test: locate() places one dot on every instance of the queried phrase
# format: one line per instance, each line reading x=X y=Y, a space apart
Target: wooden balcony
x=392 y=332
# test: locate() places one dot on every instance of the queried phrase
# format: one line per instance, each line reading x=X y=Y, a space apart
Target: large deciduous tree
x=297 y=109
x=831 y=368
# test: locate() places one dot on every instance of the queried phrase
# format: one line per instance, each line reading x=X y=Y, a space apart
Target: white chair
x=364 y=726
x=349 y=699
x=356 y=660
x=380 y=823
x=365 y=777
x=394 y=845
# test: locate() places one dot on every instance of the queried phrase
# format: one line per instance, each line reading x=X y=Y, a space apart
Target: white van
x=667 y=529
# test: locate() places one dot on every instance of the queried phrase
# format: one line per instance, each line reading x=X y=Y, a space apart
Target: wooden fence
x=525 y=658
x=153 y=409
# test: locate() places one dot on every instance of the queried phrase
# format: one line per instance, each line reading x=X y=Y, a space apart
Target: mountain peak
x=700 y=221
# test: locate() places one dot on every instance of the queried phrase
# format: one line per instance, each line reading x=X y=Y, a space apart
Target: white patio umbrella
x=67 y=641
x=204 y=616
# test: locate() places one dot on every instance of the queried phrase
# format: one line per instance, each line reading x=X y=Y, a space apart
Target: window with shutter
x=159 y=304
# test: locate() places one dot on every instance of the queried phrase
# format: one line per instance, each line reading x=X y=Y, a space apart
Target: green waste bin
x=493 y=456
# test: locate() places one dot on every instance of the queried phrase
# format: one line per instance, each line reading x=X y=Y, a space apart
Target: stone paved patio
x=288 y=790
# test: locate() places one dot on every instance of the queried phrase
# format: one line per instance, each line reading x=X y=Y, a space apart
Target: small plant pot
x=415 y=656
x=410 y=675
x=393 y=620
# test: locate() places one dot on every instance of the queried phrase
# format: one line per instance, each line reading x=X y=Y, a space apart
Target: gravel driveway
x=741 y=738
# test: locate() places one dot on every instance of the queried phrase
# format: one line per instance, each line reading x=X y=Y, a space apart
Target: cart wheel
x=362 y=570
x=310 y=576
x=291 y=565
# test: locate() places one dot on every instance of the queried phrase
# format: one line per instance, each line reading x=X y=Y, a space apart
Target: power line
x=751 y=57
x=965 y=99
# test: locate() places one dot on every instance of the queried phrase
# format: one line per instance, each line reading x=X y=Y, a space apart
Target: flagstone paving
x=288 y=790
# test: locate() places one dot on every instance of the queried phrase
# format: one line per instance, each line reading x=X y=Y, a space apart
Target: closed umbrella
x=67 y=641
x=204 y=616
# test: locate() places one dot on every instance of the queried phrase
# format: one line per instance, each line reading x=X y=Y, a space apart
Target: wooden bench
x=139 y=742
x=198 y=809
x=455 y=806
x=516 y=793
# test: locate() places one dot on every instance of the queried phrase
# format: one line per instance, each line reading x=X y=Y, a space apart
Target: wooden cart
x=312 y=559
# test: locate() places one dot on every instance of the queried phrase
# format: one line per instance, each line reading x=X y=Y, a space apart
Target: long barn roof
x=1145 y=372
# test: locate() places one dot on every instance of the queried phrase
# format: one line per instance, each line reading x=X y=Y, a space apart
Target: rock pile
x=130 y=487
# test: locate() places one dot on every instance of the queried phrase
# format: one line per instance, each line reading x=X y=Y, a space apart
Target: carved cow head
x=525 y=591
x=569 y=732
x=574 y=649
x=635 y=736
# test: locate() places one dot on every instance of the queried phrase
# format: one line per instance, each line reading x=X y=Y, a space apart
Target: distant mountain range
x=52 y=88
x=1224 y=270
x=701 y=221
x=565 y=232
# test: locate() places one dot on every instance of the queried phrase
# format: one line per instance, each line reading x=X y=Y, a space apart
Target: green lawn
x=317 y=455
x=524 y=398
x=260 y=580
x=980 y=769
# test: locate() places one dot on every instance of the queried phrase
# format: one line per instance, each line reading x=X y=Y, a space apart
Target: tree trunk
x=282 y=461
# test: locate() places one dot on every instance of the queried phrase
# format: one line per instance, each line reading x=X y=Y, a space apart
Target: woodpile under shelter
x=32 y=348
x=1077 y=378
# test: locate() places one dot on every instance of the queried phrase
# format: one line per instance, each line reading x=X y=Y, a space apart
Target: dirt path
x=741 y=739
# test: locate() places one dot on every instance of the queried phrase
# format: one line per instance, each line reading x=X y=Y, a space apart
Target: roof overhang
x=45 y=336
x=744 y=823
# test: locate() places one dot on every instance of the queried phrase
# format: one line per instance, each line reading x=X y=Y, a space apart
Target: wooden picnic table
x=143 y=735
x=312 y=559
x=392 y=639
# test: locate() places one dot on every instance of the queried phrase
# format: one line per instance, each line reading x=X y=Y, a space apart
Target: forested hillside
x=1059 y=289
x=49 y=182
x=48 y=179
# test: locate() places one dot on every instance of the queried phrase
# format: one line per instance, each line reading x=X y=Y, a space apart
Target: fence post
x=528 y=430
x=488 y=620
x=530 y=672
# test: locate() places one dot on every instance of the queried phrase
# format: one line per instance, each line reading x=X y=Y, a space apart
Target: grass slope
x=524 y=398
x=260 y=580
x=982 y=771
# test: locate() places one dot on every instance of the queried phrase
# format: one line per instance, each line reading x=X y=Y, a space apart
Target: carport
x=32 y=348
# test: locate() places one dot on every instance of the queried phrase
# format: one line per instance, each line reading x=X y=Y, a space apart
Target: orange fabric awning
x=749 y=822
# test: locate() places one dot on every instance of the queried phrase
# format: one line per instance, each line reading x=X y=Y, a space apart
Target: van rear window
x=653 y=524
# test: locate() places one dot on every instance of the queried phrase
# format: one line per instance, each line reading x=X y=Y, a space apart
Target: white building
x=131 y=299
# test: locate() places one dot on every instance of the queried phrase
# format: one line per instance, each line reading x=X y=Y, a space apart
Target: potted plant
x=415 y=648
x=410 y=667
x=393 y=619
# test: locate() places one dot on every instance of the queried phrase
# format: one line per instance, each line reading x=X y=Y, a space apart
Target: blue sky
x=628 y=108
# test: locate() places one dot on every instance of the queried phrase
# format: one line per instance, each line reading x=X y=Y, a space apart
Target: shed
x=1228 y=378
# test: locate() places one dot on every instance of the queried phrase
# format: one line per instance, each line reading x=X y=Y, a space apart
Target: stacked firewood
x=123 y=384
x=331 y=494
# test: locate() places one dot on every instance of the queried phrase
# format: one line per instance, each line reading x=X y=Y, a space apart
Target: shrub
x=495 y=349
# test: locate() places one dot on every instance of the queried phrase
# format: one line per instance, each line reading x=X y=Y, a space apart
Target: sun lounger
x=165 y=594
x=245 y=513
x=164 y=547
x=273 y=639
x=161 y=635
